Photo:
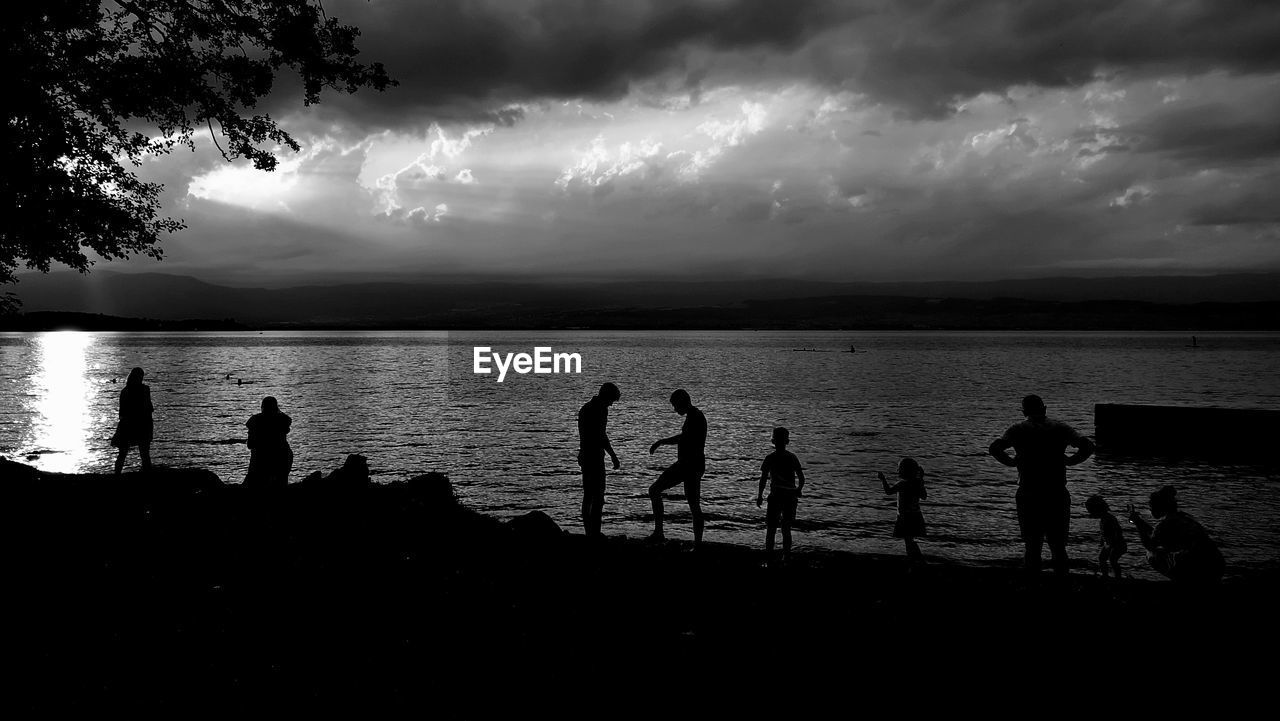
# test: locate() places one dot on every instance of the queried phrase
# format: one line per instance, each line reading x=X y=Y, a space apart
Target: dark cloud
x=468 y=60
x=461 y=60
x=1212 y=134
x=924 y=56
x=1261 y=207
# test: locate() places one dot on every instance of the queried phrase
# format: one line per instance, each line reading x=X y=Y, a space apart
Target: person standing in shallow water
x=782 y=471
x=135 y=425
x=270 y=457
x=1043 y=503
x=1112 y=545
x=690 y=464
x=593 y=440
x=910 y=491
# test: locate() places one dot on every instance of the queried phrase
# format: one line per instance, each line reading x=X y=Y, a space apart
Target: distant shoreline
x=853 y=314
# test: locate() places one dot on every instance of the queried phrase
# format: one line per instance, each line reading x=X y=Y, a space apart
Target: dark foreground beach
x=173 y=590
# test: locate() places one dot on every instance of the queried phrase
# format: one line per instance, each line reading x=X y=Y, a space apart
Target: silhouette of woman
x=1178 y=546
x=270 y=457
x=135 y=426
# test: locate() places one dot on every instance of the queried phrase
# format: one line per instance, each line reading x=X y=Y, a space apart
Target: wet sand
x=174 y=591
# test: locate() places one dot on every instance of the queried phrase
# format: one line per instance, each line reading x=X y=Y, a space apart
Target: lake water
x=411 y=403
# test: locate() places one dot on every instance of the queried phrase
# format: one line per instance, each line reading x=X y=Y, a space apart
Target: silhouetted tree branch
x=99 y=85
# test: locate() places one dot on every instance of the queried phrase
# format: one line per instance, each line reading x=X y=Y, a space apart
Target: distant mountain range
x=1159 y=302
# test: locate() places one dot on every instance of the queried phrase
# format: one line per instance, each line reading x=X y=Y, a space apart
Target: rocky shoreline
x=173 y=590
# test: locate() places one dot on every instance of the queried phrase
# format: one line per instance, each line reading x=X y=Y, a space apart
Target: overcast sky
x=868 y=140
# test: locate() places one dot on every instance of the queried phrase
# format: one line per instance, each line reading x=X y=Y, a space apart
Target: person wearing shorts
x=689 y=466
x=782 y=472
x=1043 y=503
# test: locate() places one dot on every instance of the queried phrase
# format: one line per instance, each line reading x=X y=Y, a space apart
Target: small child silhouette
x=781 y=470
x=1112 y=545
x=910 y=491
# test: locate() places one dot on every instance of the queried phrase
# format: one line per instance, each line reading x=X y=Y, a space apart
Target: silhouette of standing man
x=593 y=441
x=1044 y=506
x=688 y=468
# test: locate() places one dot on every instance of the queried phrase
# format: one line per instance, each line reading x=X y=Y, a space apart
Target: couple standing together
x=690 y=443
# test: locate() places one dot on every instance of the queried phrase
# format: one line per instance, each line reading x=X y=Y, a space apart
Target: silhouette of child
x=1113 y=545
x=910 y=491
x=781 y=470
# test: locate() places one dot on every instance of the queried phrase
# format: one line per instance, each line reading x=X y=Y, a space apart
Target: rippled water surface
x=410 y=403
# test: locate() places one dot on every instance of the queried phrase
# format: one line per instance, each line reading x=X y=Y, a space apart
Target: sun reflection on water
x=61 y=407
